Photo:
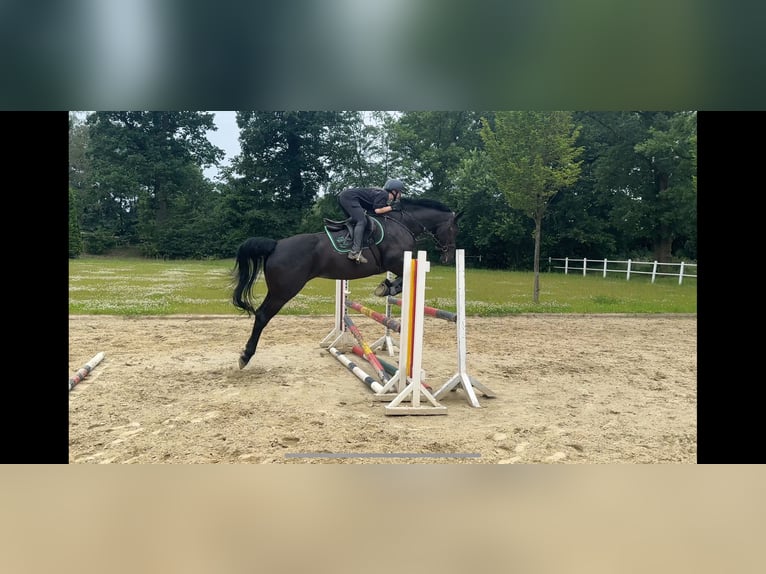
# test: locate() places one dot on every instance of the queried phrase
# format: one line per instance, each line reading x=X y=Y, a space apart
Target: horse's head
x=434 y=218
x=445 y=234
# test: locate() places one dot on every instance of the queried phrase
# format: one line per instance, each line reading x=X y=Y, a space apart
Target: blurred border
x=681 y=519
x=392 y=55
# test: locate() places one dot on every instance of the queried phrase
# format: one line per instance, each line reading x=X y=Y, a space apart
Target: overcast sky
x=226 y=138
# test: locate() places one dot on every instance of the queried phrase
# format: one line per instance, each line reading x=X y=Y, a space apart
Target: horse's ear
x=458 y=215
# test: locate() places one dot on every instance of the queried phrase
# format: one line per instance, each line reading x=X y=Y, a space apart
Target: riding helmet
x=394 y=185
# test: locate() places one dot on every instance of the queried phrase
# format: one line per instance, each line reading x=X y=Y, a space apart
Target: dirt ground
x=569 y=389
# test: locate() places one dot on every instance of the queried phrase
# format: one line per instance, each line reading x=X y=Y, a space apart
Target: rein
x=424 y=229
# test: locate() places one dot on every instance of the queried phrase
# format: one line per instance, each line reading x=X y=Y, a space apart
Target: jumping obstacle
x=392 y=387
x=85 y=370
x=406 y=384
x=342 y=336
x=461 y=378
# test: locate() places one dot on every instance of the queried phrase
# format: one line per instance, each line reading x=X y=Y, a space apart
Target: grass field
x=133 y=286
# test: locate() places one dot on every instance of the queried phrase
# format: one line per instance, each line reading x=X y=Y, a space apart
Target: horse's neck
x=419 y=223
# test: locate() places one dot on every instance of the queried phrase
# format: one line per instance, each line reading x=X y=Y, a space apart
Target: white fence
x=628 y=267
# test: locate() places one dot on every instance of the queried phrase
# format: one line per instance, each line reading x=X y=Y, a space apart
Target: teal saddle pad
x=340 y=234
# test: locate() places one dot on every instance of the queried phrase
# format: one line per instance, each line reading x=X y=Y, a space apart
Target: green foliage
x=428 y=146
x=489 y=225
x=80 y=170
x=359 y=150
x=285 y=161
x=75 y=239
x=144 y=166
x=99 y=242
x=533 y=156
x=642 y=169
x=121 y=286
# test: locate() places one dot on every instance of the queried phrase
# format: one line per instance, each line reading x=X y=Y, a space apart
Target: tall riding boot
x=356 y=244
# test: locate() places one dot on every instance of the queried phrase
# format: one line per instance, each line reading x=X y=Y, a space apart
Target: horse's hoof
x=243 y=362
x=381 y=290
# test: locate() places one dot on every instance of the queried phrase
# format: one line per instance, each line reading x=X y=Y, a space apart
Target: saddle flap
x=337 y=225
x=345 y=224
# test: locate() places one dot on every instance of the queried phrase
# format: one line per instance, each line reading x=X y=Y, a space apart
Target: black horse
x=288 y=264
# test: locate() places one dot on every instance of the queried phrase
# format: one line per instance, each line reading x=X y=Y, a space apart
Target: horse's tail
x=251 y=256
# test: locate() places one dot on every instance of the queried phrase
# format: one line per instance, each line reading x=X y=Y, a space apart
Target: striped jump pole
x=389 y=322
x=368 y=354
x=390 y=369
x=85 y=370
x=358 y=372
x=431 y=311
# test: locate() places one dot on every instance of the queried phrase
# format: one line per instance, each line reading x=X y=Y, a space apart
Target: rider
x=355 y=200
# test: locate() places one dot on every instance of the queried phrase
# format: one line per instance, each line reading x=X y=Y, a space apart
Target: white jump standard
x=411 y=343
x=462 y=377
x=387 y=340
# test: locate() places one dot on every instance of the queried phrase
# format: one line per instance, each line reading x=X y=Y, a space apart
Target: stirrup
x=357 y=256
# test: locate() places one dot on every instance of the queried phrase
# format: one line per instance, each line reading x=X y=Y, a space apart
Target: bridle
x=423 y=229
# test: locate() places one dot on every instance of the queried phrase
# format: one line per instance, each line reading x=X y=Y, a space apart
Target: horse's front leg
x=396 y=286
x=387 y=287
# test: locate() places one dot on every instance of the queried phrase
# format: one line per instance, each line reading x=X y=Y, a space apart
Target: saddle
x=341 y=233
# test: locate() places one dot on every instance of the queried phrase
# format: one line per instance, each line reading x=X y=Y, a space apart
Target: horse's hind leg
x=263 y=314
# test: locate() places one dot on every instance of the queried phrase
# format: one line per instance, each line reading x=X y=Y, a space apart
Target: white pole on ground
x=85 y=370
x=351 y=366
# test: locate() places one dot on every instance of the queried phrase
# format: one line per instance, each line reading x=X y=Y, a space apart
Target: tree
x=489 y=227
x=428 y=146
x=579 y=223
x=284 y=163
x=75 y=240
x=670 y=153
x=79 y=165
x=643 y=168
x=79 y=173
x=143 y=164
x=533 y=157
x=359 y=150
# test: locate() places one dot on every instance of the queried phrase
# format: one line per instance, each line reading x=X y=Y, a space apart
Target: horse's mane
x=424 y=202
